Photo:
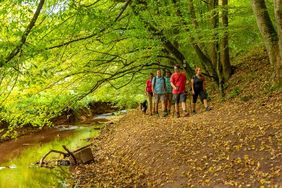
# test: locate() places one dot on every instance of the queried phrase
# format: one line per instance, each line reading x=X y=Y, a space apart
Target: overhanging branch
x=92 y=35
x=25 y=34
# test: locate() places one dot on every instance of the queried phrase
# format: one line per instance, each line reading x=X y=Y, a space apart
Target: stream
x=18 y=157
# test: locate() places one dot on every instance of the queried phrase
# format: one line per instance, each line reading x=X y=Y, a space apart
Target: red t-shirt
x=179 y=80
x=149 y=86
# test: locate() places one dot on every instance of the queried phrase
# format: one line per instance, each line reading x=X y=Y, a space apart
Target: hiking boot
x=177 y=115
x=208 y=108
x=193 y=112
x=165 y=114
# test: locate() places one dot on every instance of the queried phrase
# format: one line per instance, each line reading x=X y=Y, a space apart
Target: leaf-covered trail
x=235 y=144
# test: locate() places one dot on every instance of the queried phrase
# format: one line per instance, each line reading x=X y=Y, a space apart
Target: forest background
x=57 y=55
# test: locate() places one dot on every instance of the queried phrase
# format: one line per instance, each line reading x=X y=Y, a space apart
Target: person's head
x=159 y=73
x=151 y=75
x=198 y=71
x=168 y=73
x=177 y=68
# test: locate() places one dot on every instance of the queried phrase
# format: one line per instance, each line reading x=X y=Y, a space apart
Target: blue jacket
x=159 y=85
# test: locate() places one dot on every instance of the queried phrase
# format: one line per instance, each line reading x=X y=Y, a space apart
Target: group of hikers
x=172 y=89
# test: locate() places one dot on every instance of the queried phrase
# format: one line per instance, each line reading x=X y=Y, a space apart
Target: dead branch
x=71 y=154
x=55 y=151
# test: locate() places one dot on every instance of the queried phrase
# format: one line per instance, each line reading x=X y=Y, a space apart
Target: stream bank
x=20 y=167
x=68 y=117
x=18 y=156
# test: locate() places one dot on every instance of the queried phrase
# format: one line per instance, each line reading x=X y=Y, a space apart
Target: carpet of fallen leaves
x=233 y=145
x=236 y=144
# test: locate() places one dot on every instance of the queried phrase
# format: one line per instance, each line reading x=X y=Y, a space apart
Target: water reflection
x=109 y=115
x=21 y=172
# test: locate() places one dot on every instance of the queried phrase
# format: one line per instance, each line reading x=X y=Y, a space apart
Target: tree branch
x=25 y=34
x=92 y=35
x=122 y=11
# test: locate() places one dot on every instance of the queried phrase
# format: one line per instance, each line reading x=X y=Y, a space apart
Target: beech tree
x=272 y=36
x=61 y=54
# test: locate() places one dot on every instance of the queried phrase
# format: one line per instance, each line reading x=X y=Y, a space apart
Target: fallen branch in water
x=81 y=155
x=55 y=151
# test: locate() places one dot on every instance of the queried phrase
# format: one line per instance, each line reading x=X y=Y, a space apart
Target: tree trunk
x=169 y=46
x=205 y=60
x=213 y=4
x=225 y=58
x=215 y=53
x=278 y=16
x=269 y=36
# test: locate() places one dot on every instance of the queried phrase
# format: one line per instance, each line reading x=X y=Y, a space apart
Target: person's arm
x=192 y=86
x=171 y=82
x=153 y=87
x=172 y=85
x=164 y=88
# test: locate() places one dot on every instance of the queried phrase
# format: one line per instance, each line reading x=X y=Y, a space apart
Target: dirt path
x=235 y=144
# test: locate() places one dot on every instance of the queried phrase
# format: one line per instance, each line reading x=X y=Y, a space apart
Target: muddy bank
x=68 y=117
x=84 y=115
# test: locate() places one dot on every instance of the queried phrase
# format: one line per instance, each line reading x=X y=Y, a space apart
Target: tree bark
x=215 y=51
x=225 y=58
x=278 y=16
x=206 y=62
x=213 y=4
x=169 y=46
x=269 y=35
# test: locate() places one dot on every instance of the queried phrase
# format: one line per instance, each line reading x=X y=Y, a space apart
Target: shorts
x=179 y=97
x=159 y=97
x=202 y=96
x=150 y=94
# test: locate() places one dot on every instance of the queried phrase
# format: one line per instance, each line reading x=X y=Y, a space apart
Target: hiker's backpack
x=163 y=81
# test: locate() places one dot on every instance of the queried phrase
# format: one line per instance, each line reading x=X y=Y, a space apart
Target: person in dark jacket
x=199 y=89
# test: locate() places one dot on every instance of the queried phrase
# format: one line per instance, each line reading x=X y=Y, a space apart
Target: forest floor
x=236 y=144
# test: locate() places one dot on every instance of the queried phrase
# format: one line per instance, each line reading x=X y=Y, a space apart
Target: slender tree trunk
x=225 y=58
x=215 y=52
x=213 y=4
x=206 y=62
x=269 y=36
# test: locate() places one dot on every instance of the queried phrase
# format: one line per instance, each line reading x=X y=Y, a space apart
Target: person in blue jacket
x=159 y=91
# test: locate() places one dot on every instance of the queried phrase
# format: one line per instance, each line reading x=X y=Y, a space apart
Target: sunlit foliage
x=79 y=51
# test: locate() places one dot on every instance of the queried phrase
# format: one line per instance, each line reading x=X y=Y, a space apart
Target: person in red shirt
x=149 y=92
x=178 y=80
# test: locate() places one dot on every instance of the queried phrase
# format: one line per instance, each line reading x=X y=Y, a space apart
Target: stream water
x=18 y=157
